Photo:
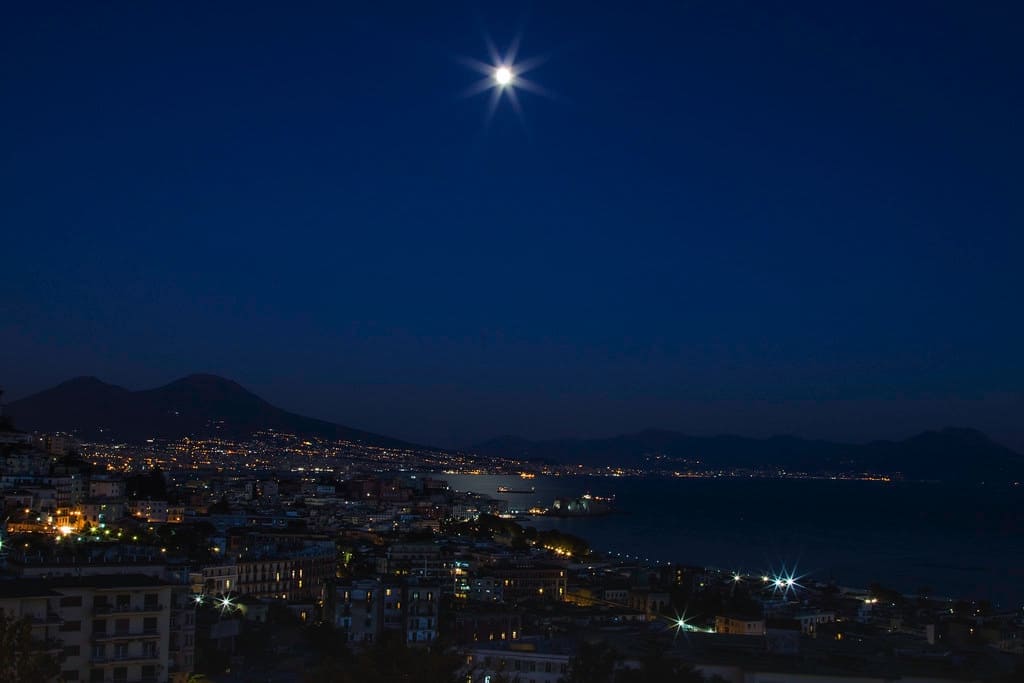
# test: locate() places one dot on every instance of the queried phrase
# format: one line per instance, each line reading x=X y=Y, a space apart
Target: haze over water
x=959 y=541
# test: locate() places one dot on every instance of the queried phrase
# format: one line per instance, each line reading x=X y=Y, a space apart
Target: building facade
x=108 y=628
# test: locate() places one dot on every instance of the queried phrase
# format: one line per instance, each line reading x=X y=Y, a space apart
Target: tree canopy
x=22 y=660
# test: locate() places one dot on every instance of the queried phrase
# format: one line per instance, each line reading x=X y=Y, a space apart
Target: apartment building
x=364 y=610
x=533 y=661
x=282 y=565
x=529 y=581
x=126 y=628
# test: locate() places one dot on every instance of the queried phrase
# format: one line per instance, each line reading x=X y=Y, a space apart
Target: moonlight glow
x=503 y=75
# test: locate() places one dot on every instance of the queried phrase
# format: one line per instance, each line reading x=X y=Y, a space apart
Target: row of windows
x=121 y=651
x=99 y=626
x=387 y=593
x=119 y=674
x=529 y=665
x=103 y=600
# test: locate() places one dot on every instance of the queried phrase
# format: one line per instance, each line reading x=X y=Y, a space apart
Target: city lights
x=681 y=624
x=784 y=582
x=225 y=604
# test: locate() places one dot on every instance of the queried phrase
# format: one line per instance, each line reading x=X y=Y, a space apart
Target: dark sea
x=956 y=541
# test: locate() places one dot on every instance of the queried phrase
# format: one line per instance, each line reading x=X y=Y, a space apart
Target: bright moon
x=503 y=75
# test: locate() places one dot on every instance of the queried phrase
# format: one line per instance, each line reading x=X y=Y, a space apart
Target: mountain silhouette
x=194 y=406
x=952 y=454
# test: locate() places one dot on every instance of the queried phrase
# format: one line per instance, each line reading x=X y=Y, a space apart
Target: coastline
x=905 y=539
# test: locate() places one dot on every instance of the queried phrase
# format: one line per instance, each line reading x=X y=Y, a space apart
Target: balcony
x=127 y=609
x=50 y=619
x=142 y=659
x=50 y=645
x=143 y=679
x=104 y=637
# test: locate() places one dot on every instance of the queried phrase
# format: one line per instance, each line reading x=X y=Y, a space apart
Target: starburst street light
x=785 y=582
x=681 y=624
x=225 y=604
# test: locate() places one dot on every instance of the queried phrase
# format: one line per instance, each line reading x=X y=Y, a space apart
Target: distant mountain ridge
x=198 y=405
x=948 y=454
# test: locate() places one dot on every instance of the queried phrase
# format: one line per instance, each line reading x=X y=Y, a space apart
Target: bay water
x=956 y=541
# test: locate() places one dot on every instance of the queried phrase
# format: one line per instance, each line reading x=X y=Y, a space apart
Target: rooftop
x=24 y=588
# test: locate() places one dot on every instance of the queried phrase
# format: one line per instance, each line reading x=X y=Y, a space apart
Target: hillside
x=196 y=406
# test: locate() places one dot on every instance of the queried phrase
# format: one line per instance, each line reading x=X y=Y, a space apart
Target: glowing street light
x=785 y=582
x=225 y=604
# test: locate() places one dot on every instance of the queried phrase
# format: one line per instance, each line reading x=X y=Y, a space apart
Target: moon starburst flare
x=503 y=75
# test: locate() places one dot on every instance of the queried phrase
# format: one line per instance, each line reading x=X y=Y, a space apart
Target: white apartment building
x=523 y=661
x=127 y=628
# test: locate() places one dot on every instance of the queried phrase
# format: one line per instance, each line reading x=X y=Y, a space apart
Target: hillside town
x=124 y=571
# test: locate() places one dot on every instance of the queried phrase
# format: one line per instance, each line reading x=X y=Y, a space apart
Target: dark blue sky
x=732 y=217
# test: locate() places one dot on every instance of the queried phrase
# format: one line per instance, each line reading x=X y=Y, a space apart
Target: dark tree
x=21 y=659
x=593 y=663
x=658 y=669
x=384 y=662
x=148 y=486
x=221 y=507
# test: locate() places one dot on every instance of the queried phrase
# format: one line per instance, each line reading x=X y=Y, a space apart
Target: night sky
x=752 y=218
